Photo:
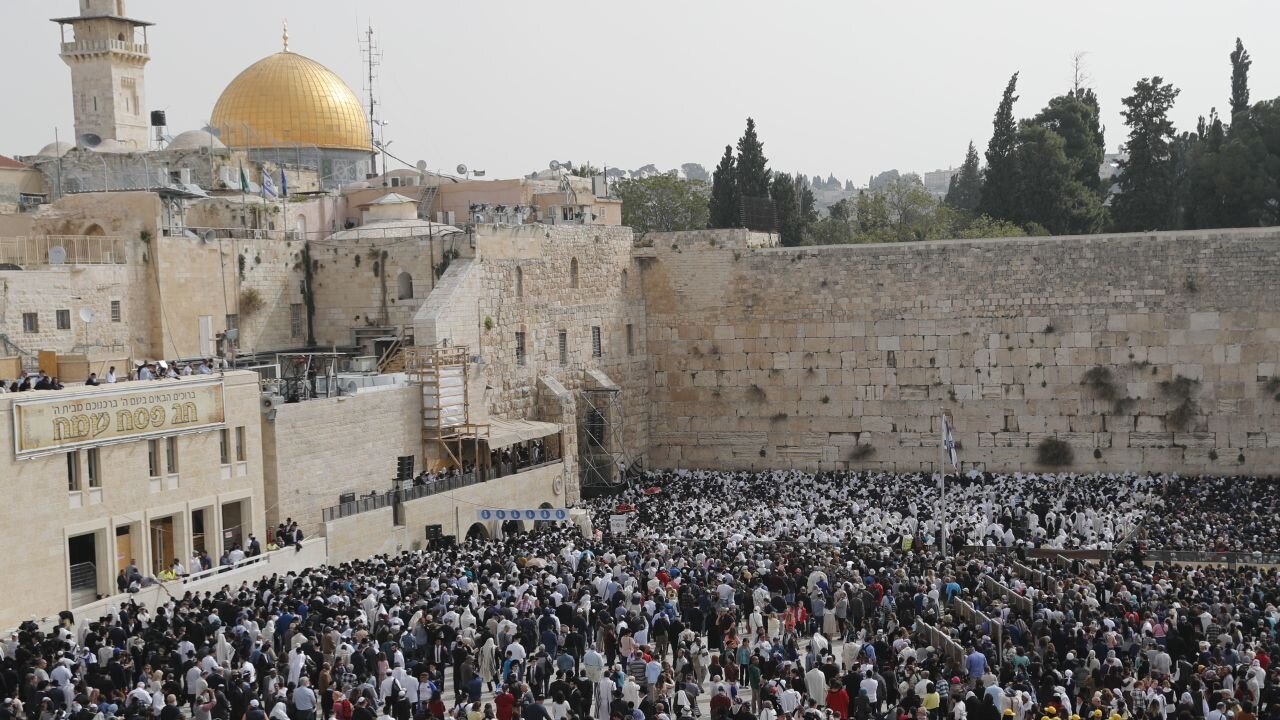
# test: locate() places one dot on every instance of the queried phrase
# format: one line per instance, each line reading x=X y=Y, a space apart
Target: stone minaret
x=107 y=57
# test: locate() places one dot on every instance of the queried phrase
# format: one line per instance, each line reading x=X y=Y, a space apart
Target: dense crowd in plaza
x=736 y=595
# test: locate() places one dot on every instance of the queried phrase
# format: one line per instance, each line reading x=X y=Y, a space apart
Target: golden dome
x=287 y=99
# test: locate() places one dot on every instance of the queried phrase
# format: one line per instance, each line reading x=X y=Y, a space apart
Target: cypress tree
x=1001 y=183
x=752 y=166
x=1240 y=63
x=1149 y=176
x=965 y=191
x=726 y=208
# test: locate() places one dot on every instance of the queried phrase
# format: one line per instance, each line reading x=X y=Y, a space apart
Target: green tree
x=1148 y=177
x=786 y=206
x=1048 y=193
x=911 y=208
x=984 y=227
x=837 y=227
x=663 y=203
x=725 y=204
x=1075 y=117
x=1001 y=180
x=965 y=191
x=752 y=166
x=1240 y=64
x=871 y=211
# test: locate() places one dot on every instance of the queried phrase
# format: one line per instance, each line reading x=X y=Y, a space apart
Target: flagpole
x=942 y=486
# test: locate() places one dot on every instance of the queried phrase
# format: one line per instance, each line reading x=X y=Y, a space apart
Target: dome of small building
x=55 y=149
x=195 y=140
x=287 y=99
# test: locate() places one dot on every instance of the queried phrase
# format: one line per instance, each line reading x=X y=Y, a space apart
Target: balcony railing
x=36 y=250
x=390 y=498
x=98 y=46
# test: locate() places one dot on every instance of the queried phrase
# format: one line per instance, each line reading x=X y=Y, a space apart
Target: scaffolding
x=446 y=416
x=603 y=460
x=300 y=375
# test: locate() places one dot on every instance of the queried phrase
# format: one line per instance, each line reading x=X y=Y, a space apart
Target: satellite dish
x=555 y=165
x=90 y=140
x=208 y=236
x=87 y=315
x=232 y=334
x=421 y=165
x=57 y=255
x=462 y=169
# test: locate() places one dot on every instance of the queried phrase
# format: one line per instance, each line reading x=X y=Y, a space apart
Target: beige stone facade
x=87 y=513
x=799 y=357
x=316 y=451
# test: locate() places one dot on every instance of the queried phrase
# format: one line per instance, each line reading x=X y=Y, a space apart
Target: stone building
x=137 y=472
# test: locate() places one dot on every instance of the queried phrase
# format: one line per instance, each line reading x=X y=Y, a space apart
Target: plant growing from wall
x=1101 y=383
x=250 y=302
x=1273 y=386
x=1052 y=452
x=240 y=263
x=447 y=256
x=779 y=417
x=308 y=293
x=862 y=452
x=756 y=393
x=488 y=323
x=1181 y=390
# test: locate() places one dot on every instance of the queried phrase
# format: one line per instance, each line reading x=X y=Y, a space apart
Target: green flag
x=244 y=180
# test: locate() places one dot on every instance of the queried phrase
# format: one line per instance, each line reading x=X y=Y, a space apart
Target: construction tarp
x=509 y=432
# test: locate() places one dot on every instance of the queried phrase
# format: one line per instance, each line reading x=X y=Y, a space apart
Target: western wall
x=845 y=356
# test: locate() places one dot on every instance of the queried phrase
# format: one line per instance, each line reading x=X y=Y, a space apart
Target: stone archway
x=94 y=230
x=540 y=524
x=477 y=531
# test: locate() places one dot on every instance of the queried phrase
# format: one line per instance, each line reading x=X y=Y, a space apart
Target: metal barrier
x=35 y=250
x=976 y=618
x=995 y=589
x=942 y=642
x=449 y=484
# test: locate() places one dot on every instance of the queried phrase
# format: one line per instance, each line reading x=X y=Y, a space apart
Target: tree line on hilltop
x=1041 y=176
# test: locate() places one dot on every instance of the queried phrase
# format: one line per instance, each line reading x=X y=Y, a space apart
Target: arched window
x=624 y=280
x=94 y=230
x=573 y=273
x=405 y=283
x=519 y=282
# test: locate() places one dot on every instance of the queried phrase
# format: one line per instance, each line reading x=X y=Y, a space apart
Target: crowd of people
x=157 y=370
x=738 y=596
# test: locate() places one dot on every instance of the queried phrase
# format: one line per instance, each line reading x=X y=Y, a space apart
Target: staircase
x=426 y=198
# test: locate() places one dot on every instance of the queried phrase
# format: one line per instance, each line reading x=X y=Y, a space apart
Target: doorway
x=82 y=561
x=162 y=544
x=232 y=524
x=208 y=347
x=197 y=531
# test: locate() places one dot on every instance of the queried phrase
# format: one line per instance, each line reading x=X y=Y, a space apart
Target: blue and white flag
x=284 y=184
x=268 y=187
x=949 y=443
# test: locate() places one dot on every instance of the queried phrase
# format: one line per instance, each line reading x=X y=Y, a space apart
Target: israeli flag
x=949 y=442
x=268 y=185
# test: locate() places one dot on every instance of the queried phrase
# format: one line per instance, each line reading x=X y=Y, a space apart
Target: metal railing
x=93 y=46
x=84 y=583
x=32 y=250
x=389 y=498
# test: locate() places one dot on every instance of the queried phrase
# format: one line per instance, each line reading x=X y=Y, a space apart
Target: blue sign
x=531 y=514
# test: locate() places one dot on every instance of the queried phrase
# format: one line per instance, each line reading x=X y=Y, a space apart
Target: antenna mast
x=372 y=59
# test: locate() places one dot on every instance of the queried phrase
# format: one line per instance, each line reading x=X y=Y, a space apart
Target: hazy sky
x=845 y=87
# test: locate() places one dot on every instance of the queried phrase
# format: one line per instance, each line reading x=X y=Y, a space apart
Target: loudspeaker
x=404 y=467
x=434 y=532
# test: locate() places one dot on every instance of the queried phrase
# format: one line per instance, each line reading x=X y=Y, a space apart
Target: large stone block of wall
x=845 y=356
x=317 y=450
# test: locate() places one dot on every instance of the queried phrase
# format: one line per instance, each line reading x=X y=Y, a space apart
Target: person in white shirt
x=111 y=374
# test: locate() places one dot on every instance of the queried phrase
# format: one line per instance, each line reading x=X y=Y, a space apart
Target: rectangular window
x=242 y=452
x=224 y=439
x=95 y=468
x=233 y=322
x=596 y=350
x=562 y=340
x=520 y=348
x=153 y=458
x=631 y=343
x=30 y=323
x=171 y=455
x=115 y=311
x=64 y=319
x=73 y=471
x=295 y=320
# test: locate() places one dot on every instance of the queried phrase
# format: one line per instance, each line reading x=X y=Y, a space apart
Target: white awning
x=509 y=432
